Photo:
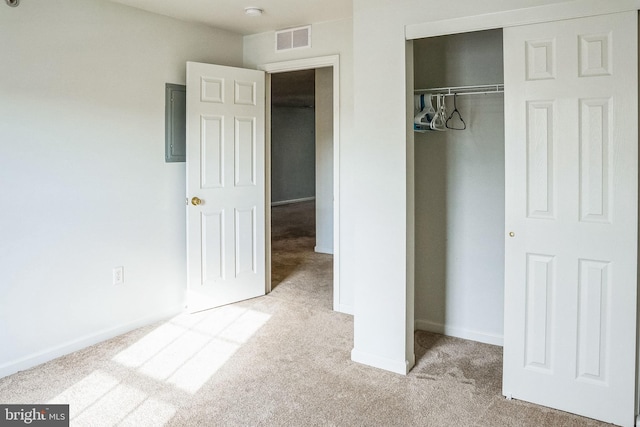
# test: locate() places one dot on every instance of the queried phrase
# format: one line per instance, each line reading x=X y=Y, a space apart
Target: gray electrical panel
x=175 y=122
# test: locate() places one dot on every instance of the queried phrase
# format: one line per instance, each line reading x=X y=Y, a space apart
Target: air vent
x=293 y=38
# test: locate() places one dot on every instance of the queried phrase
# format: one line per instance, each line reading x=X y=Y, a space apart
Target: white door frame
x=510 y=18
x=297 y=65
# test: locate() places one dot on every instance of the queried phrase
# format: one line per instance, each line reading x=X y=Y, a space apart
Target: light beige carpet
x=278 y=360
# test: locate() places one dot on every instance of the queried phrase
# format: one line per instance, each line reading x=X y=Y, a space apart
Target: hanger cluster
x=429 y=118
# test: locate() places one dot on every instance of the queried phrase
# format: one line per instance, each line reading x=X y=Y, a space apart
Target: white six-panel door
x=571 y=158
x=225 y=184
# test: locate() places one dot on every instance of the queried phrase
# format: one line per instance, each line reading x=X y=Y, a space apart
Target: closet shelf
x=463 y=90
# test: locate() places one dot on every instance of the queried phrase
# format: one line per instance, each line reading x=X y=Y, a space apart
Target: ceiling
x=229 y=14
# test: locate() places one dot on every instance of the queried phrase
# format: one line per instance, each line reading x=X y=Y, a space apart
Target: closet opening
x=459 y=155
x=569 y=184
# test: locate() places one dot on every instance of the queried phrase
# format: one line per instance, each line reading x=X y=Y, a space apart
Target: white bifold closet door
x=571 y=128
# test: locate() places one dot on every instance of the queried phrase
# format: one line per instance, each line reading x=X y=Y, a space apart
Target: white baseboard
x=411 y=362
x=289 y=202
x=323 y=250
x=452 y=331
x=48 y=354
x=401 y=367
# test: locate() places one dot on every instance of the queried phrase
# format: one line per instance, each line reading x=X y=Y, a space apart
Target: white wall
x=459 y=179
x=83 y=182
x=376 y=186
x=324 y=160
x=328 y=38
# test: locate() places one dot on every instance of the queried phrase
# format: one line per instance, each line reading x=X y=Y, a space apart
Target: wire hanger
x=455 y=111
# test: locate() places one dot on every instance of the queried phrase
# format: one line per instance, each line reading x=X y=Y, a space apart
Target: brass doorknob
x=512 y=234
x=196 y=201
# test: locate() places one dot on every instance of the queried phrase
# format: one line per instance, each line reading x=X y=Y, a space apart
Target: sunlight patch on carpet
x=184 y=352
x=189 y=349
x=101 y=399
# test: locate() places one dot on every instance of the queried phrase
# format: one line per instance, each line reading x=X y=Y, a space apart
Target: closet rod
x=464 y=90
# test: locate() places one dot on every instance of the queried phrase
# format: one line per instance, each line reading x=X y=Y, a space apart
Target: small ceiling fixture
x=253 y=11
x=13 y=3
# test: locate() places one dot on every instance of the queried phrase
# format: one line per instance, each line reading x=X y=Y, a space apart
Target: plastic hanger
x=439 y=120
x=455 y=111
x=425 y=116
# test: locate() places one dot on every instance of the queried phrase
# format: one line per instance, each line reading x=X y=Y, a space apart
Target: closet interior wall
x=459 y=200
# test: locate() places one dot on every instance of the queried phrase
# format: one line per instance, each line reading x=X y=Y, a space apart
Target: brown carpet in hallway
x=305 y=276
x=278 y=360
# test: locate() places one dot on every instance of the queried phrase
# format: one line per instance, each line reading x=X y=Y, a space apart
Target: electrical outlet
x=118 y=275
